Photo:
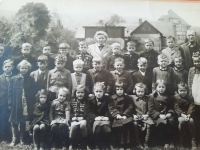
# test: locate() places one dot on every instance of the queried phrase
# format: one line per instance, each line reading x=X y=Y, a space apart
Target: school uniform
x=180 y=75
x=111 y=61
x=131 y=61
x=87 y=59
x=77 y=79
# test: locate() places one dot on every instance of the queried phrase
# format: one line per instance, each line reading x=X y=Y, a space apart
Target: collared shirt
x=163 y=69
x=40 y=72
x=143 y=73
x=78 y=77
x=177 y=69
x=8 y=76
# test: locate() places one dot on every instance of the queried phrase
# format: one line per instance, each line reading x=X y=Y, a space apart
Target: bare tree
x=114 y=20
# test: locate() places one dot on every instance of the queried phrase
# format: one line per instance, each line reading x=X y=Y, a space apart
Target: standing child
x=142 y=120
x=2 y=57
x=46 y=51
x=40 y=120
x=120 y=107
x=59 y=117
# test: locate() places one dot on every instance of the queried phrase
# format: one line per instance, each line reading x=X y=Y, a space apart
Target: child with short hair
x=131 y=57
x=162 y=113
x=142 y=75
x=20 y=100
x=120 y=107
x=99 y=74
x=60 y=116
x=46 y=51
x=40 y=121
x=78 y=78
x=2 y=57
x=120 y=74
x=97 y=115
x=40 y=75
x=142 y=121
x=164 y=72
x=58 y=77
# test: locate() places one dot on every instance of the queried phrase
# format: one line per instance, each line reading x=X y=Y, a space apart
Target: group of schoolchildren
x=102 y=103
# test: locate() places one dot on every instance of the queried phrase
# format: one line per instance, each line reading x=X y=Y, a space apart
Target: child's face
x=46 y=50
x=116 y=50
x=101 y=39
x=149 y=46
x=162 y=62
x=7 y=68
x=119 y=66
x=43 y=99
x=26 y=51
x=119 y=91
x=98 y=92
x=80 y=94
x=196 y=62
x=1 y=51
x=59 y=65
x=62 y=96
x=83 y=48
x=161 y=88
x=63 y=50
x=23 y=70
x=142 y=67
x=78 y=68
x=139 y=92
x=97 y=66
x=131 y=48
x=182 y=92
x=42 y=65
x=178 y=62
x=170 y=43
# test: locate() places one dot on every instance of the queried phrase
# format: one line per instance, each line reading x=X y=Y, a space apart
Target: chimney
x=140 y=21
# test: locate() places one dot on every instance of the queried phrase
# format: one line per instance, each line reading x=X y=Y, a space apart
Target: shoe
x=41 y=148
x=36 y=146
x=22 y=141
x=166 y=146
x=139 y=146
x=146 y=147
x=13 y=143
x=194 y=146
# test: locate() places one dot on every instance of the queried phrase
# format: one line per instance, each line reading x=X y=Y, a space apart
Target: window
x=177 y=28
x=178 y=37
x=183 y=29
x=182 y=37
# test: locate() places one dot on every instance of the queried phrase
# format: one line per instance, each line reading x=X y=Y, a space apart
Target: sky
x=75 y=13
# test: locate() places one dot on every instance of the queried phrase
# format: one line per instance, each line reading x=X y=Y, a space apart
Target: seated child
x=78 y=122
x=142 y=75
x=40 y=75
x=162 y=113
x=99 y=74
x=60 y=117
x=142 y=120
x=120 y=74
x=58 y=77
x=84 y=56
x=165 y=73
x=120 y=107
x=131 y=57
x=2 y=58
x=78 y=78
x=46 y=51
x=97 y=115
x=40 y=120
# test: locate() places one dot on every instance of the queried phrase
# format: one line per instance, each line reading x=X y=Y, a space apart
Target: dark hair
x=41 y=92
x=42 y=59
x=81 y=87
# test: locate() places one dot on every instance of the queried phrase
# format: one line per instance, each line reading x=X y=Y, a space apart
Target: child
x=20 y=100
x=97 y=115
x=84 y=56
x=161 y=112
x=171 y=51
x=40 y=75
x=142 y=120
x=116 y=48
x=46 y=51
x=181 y=102
x=2 y=58
x=58 y=77
x=64 y=50
x=99 y=74
x=40 y=121
x=78 y=122
x=165 y=73
x=120 y=74
x=142 y=75
x=120 y=107
x=78 y=78
x=131 y=57
x=26 y=55
x=60 y=116
x=4 y=84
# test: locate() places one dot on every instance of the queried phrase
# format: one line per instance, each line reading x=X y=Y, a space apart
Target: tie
x=101 y=47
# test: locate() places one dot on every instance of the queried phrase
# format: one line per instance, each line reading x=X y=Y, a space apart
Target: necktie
x=101 y=47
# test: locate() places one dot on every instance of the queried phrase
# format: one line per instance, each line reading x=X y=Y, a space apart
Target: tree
x=5 y=30
x=114 y=20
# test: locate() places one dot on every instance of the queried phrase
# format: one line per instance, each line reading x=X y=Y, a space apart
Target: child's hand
x=80 y=118
x=135 y=117
x=97 y=118
x=168 y=115
x=187 y=117
x=125 y=94
x=145 y=117
x=124 y=117
x=74 y=118
x=105 y=119
x=162 y=116
x=107 y=94
x=119 y=116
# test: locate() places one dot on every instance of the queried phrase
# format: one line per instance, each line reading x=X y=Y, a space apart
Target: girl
x=20 y=100
x=59 y=117
x=141 y=116
x=40 y=120
x=161 y=112
x=78 y=121
x=120 y=107
x=97 y=115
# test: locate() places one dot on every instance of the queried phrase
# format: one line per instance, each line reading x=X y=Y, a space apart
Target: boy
x=40 y=75
x=64 y=50
x=123 y=75
x=46 y=51
x=26 y=55
x=116 y=48
x=142 y=76
x=2 y=58
x=78 y=78
x=58 y=77
x=164 y=72
x=131 y=57
x=99 y=74
x=4 y=84
x=84 y=56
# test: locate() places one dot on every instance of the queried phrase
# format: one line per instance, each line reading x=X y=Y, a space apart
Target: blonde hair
x=162 y=56
x=99 y=85
x=78 y=62
x=131 y=43
x=24 y=63
x=8 y=61
x=82 y=43
x=116 y=45
x=149 y=41
x=140 y=85
x=142 y=60
x=61 y=57
x=119 y=59
x=64 y=89
x=65 y=44
x=100 y=33
x=26 y=45
x=97 y=59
